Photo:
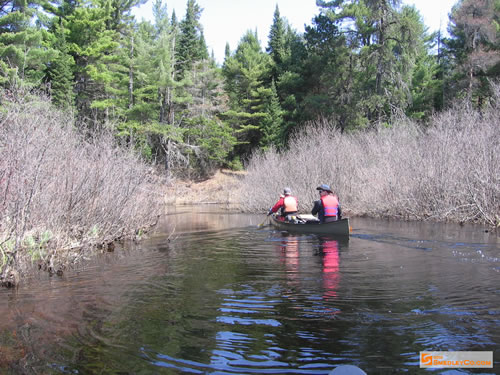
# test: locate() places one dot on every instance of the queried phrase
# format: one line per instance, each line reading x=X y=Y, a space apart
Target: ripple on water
x=227 y=299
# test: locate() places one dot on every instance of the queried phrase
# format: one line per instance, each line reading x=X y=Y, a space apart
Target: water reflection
x=330 y=251
x=293 y=248
x=226 y=297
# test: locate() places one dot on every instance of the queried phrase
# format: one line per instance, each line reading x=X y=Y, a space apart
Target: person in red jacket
x=288 y=204
x=328 y=206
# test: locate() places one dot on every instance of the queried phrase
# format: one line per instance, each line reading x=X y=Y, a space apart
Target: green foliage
x=364 y=59
x=133 y=132
x=235 y=164
x=59 y=74
x=245 y=73
x=36 y=244
x=214 y=139
x=7 y=247
x=357 y=64
x=272 y=122
x=24 y=51
x=191 y=46
x=423 y=68
x=93 y=46
x=474 y=47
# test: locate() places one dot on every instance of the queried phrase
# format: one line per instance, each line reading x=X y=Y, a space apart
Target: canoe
x=340 y=227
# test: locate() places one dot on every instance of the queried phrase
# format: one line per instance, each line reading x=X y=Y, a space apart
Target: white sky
x=228 y=20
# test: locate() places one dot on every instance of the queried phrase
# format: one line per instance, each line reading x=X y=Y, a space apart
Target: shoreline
x=224 y=188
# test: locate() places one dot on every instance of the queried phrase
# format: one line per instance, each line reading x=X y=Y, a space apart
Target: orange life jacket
x=290 y=204
x=330 y=205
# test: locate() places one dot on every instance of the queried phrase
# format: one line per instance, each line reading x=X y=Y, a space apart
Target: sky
x=226 y=21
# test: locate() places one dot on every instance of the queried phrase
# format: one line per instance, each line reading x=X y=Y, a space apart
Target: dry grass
x=60 y=190
x=448 y=171
x=223 y=188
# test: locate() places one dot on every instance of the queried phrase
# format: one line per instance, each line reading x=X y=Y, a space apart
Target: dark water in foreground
x=224 y=297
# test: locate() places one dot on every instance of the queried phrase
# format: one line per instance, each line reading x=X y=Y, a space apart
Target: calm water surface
x=210 y=293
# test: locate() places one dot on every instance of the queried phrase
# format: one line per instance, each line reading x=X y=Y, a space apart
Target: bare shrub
x=59 y=190
x=447 y=171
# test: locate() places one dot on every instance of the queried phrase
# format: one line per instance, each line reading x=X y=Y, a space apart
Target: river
x=212 y=293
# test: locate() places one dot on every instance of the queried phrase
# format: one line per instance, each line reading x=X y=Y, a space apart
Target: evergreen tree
x=330 y=76
x=24 y=48
x=474 y=47
x=93 y=47
x=151 y=119
x=287 y=50
x=272 y=123
x=59 y=73
x=426 y=80
x=191 y=46
x=245 y=72
x=276 y=46
x=173 y=118
x=206 y=90
x=383 y=47
x=98 y=36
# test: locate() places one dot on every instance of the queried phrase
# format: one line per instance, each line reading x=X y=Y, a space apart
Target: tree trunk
x=131 y=76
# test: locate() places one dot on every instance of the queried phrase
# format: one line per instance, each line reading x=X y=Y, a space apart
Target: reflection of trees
x=193 y=219
x=236 y=299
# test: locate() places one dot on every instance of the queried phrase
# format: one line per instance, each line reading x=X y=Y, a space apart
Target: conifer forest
x=157 y=87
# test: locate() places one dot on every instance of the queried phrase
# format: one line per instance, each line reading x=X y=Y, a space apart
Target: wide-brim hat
x=324 y=187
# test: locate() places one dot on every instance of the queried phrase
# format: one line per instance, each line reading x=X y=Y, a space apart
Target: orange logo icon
x=425 y=359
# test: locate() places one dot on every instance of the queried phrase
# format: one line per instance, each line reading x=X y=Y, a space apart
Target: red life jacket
x=290 y=204
x=330 y=205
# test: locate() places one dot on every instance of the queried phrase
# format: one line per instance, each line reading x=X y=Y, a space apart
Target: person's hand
x=270 y=212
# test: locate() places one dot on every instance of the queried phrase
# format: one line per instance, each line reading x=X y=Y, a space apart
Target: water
x=211 y=293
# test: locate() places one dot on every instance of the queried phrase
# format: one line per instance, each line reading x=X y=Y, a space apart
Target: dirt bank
x=223 y=188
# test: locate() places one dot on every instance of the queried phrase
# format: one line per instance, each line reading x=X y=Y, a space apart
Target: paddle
x=263 y=223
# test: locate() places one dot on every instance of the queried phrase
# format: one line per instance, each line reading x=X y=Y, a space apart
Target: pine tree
x=24 y=48
x=330 y=76
x=245 y=72
x=276 y=46
x=426 y=81
x=93 y=47
x=287 y=50
x=383 y=47
x=59 y=73
x=191 y=46
x=474 y=47
x=272 y=123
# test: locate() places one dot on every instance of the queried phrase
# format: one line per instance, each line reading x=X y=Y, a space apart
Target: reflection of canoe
x=340 y=227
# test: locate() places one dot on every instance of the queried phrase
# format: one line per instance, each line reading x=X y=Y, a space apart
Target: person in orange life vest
x=328 y=206
x=288 y=204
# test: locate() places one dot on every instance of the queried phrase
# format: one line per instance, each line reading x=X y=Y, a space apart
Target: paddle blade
x=263 y=223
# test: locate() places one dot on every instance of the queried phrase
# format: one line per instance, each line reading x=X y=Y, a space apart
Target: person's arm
x=316 y=207
x=277 y=206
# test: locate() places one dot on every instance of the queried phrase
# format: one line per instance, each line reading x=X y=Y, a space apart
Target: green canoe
x=340 y=227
